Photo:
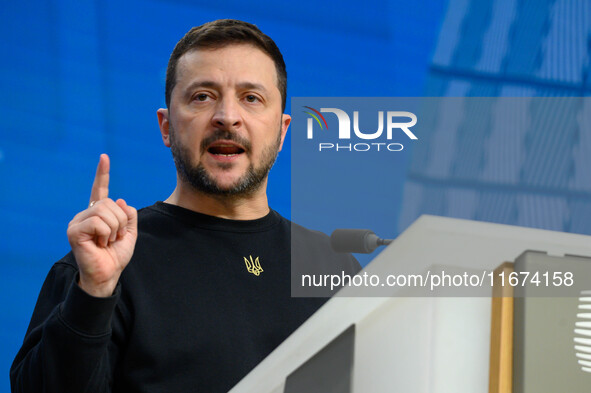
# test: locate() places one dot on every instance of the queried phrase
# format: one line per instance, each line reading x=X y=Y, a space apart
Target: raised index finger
x=100 y=187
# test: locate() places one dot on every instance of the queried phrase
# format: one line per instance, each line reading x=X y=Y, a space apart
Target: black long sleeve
x=68 y=340
x=191 y=313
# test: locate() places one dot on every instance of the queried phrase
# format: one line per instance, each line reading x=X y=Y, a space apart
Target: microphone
x=362 y=241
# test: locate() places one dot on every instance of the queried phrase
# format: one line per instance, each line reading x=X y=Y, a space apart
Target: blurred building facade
x=522 y=156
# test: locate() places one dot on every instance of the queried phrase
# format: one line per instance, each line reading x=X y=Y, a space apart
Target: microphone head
x=362 y=241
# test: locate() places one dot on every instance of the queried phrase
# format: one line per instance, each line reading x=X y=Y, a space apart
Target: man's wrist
x=97 y=290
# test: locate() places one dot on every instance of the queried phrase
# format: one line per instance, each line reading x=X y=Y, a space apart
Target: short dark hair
x=221 y=33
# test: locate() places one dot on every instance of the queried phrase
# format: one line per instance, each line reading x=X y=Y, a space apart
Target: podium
x=408 y=339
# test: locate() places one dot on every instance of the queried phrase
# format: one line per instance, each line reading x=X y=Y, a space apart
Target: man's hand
x=103 y=236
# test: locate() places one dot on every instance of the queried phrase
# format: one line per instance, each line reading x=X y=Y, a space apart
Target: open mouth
x=225 y=149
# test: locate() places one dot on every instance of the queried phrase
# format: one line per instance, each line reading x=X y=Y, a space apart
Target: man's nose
x=227 y=114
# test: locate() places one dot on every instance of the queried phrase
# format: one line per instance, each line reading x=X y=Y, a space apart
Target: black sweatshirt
x=186 y=316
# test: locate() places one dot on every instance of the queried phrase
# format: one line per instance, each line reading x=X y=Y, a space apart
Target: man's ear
x=164 y=124
x=285 y=120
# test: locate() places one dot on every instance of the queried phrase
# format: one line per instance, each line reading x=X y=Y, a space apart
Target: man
x=191 y=293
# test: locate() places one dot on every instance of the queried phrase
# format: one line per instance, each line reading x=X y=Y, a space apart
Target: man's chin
x=226 y=182
x=228 y=188
x=225 y=185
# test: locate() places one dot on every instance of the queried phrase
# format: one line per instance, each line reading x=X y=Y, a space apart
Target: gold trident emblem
x=253 y=266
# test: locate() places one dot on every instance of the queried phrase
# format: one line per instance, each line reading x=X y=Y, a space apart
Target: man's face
x=225 y=124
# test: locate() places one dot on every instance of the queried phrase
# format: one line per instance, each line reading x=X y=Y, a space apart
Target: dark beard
x=198 y=178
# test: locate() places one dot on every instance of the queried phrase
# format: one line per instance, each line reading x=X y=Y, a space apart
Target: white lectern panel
x=426 y=344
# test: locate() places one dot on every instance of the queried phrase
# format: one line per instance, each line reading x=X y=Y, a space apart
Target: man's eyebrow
x=196 y=84
x=251 y=86
x=211 y=84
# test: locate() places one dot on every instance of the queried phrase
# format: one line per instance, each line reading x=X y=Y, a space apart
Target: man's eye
x=201 y=97
x=251 y=98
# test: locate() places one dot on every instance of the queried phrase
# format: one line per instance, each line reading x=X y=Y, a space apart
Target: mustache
x=225 y=135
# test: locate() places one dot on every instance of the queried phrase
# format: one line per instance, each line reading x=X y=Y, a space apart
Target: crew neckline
x=206 y=221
